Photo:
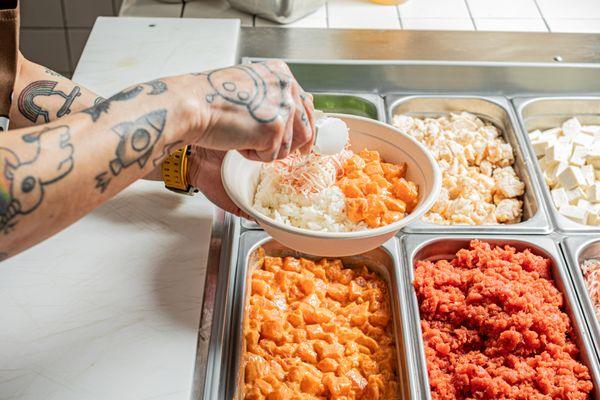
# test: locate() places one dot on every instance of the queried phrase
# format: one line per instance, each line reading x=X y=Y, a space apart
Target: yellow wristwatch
x=174 y=172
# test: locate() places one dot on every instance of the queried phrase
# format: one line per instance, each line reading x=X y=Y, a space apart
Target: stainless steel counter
x=388 y=45
x=393 y=63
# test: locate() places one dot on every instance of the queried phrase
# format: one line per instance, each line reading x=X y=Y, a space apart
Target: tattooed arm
x=42 y=95
x=52 y=175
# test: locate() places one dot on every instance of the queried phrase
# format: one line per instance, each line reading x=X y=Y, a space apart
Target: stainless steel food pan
x=498 y=111
x=577 y=250
x=549 y=112
x=429 y=247
x=362 y=105
x=384 y=260
x=282 y=11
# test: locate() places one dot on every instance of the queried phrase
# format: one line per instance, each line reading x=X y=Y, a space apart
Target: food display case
x=515 y=96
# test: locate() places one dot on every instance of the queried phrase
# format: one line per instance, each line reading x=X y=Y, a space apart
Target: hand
x=204 y=173
x=258 y=109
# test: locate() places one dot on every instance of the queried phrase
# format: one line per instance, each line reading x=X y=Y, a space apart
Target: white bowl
x=240 y=178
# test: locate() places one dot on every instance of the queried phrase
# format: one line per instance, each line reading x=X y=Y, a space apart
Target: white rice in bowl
x=320 y=211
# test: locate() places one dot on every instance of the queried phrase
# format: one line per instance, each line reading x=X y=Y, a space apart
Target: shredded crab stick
x=311 y=173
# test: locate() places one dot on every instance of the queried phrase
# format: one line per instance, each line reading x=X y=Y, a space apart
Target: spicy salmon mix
x=339 y=193
x=318 y=330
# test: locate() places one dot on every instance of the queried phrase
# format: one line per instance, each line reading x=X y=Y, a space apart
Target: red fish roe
x=495 y=327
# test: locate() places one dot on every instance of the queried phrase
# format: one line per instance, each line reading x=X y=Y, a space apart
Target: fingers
x=303 y=130
x=288 y=135
x=275 y=137
x=307 y=100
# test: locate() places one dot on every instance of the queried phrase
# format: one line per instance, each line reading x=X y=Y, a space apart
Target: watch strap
x=174 y=171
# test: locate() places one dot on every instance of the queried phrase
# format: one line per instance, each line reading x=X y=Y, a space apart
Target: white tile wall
x=360 y=14
x=43 y=20
x=46 y=46
x=434 y=9
x=317 y=19
x=574 y=25
x=41 y=14
x=215 y=9
x=55 y=31
x=503 y=9
x=511 y=24
x=432 y=24
x=570 y=9
x=77 y=39
x=83 y=13
x=151 y=8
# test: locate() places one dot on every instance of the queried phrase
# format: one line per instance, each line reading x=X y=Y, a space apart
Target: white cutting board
x=123 y=51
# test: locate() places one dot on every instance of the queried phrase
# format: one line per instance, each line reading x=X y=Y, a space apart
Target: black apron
x=9 y=47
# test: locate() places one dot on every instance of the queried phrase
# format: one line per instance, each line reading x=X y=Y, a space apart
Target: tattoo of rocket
x=136 y=144
x=32 y=111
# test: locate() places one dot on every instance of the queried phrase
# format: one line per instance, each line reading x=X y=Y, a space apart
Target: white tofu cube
x=575 y=195
x=592 y=129
x=575 y=213
x=560 y=197
x=552 y=132
x=540 y=146
x=586 y=205
x=571 y=127
x=571 y=177
x=588 y=174
x=558 y=153
x=593 y=219
x=578 y=157
x=593 y=159
x=593 y=193
x=535 y=135
x=583 y=139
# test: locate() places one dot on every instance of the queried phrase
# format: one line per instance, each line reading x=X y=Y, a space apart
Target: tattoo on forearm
x=32 y=111
x=53 y=73
x=23 y=181
x=99 y=100
x=250 y=93
x=101 y=107
x=136 y=144
x=157 y=87
x=167 y=149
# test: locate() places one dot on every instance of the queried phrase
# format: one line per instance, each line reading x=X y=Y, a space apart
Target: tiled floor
x=481 y=15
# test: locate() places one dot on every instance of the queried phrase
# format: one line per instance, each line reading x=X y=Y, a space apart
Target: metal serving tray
x=577 y=250
x=550 y=112
x=385 y=260
x=498 y=111
x=422 y=247
x=360 y=104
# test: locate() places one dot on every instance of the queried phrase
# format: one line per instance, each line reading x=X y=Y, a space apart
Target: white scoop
x=331 y=134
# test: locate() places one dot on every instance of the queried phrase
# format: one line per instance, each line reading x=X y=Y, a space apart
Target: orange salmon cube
x=373 y=167
x=394 y=170
x=369 y=155
x=351 y=190
x=407 y=192
x=356 y=209
x=395 y=204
